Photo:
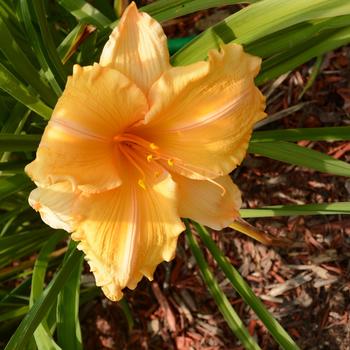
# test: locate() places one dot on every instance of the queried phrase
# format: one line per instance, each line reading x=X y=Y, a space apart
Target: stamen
x=136 y=140
x=170 y=162
x=203 y=177
x=142 y=184
x=149 y=158
x=131 y=160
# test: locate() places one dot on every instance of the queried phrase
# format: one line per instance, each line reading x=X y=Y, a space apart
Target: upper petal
x=77 y=145
x=138 y=48
x=202 y=115
x=214 y=204
x=126 y=232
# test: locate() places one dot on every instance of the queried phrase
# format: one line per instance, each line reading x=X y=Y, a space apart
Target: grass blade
x=10 y=84
x=42 y=335
x=16 y=143
x=289 y=210
x=239 y=284
x=291 y=59
x=256 y=22
x=53 y=61
x=13 y=184
x=85 y=12
x=163 y=10
x=68 y=326
x=338 y=133
x=28 y=325
x=22 y=65
x=38 y=46
x=297 y=155
x=220 y=298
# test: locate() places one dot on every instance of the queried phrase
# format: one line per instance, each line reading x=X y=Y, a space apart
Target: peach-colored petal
x=137 y=47
x=55 y=205
x=212 y=205
x=126 y=232
x=201 y=116
x=97 y=104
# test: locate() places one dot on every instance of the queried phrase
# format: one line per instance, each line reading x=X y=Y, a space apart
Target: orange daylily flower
x=134 y=144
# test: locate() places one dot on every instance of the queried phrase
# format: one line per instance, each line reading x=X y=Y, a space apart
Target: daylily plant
x=135 y=144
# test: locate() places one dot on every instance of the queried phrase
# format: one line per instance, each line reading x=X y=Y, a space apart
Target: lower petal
x=214 y=204
x=126 y=232
x=55 y=205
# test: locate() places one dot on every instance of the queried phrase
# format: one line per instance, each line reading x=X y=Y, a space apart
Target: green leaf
x=39 y=46
x=127 y=313
x=15 y=88
x=290 y=210
x=68 y=326
x=297 y=155
x=338 y=133
x=163 y=10
x=15 y=313
x=11 y=168
x=228 y=312
x=18 y=245
x=243 y=289
x=22 y=64
x=42 y=335
x=13 y=184
x=291 y=59
x=257 y=21
x=46 y=300
x=53 y=61
x=287 y=39
x=85 y=12
x=16 y=143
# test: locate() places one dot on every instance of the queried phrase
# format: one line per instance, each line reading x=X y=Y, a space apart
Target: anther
x=170 y=162
x=142 y=184
x=149 y=158
x=153 y=146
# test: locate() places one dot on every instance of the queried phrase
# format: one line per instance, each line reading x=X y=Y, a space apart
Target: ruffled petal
x=98 y=103
x=55 y=205
x=126 y=232
x=137 y=48
x=202 y=115
x=214 y=204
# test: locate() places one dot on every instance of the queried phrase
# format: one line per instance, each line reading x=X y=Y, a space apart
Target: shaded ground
x=306 y=286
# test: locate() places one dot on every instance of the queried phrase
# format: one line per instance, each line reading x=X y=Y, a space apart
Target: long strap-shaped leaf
x=338 y=133
x=297 y=155
x=243 y=289
x=257 y=21
x=22 y=335
x=68 y=326
x=15 y=88
x=42 y=335
x=289 y=210
x=219 y=296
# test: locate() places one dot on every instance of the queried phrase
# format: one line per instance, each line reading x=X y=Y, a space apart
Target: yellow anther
x=153 y=146
x=149 y=158
x=170 y=162
x=142 y=184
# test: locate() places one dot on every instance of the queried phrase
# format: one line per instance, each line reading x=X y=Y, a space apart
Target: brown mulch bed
x=306 y=286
